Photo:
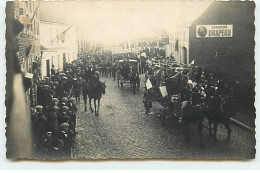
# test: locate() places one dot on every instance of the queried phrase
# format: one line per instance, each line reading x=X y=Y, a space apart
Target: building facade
x=59 y=45
x=178 y=46
x=27 y=12
x=28 y=40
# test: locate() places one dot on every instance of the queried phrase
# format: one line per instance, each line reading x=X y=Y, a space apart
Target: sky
x=116 y=21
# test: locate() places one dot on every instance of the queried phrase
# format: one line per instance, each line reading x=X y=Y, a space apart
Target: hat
x=65 y=78
x=72 y=99
x=54 y=100
x=211 y=74
x=64 y=125
x=56 y=108
x=97 y=72
x=46 y=86
x=39 y=107
x=74 y=78
x=56 y=83
x=65 y=108
x=49 y=133
x=64 y=99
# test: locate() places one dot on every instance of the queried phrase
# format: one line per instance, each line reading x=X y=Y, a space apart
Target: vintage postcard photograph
x=143 y=80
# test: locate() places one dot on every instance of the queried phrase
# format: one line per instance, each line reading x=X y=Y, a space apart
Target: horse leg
x=215 y=130
x=186 y=131
x=210 y=128
x=95 y=104
x=98 y=106
x=200 y=128
x=227 y=125
x=90 y=107
x=134 y=86
x=85 y=104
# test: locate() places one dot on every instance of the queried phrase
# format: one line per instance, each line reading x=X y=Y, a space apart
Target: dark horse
x=96 y=93
x=220 y=114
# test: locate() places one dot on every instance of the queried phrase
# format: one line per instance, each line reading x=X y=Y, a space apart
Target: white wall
x=56 y=48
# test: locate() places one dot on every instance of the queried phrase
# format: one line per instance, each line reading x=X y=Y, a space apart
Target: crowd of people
x=54 y=117
x=195 y=85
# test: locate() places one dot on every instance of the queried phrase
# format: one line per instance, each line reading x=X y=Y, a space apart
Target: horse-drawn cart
x=128 y=73
x=191 y=101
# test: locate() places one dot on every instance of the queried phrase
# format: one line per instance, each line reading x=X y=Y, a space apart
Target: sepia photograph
x=130 y=80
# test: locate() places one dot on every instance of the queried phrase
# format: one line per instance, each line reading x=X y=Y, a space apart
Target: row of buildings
x=44 y=43
x=222 y=38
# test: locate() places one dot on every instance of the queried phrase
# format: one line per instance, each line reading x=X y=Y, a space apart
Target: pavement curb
x=242 y=125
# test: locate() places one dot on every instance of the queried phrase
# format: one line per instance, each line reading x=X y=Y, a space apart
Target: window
x=52 y=60
x=21 y=11
x=58 y=61
x=57 y=36
x=51 y=36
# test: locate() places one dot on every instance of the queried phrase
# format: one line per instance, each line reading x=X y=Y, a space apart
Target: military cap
x=72 y=99
x=56 y=108
x=64 y=125
x=64 y=99
x=39 y=107
x=65 y=108
x=54 y=100
x=56 y=83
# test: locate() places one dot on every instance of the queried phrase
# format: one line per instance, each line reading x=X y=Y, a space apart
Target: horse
x=220 y=114
x=95 y=93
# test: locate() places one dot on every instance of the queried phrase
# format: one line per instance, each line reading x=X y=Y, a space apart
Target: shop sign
x=205 y=31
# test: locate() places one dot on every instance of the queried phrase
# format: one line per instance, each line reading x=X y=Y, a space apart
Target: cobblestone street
x=124 y=131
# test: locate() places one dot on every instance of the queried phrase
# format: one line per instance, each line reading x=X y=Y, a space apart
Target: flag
x=143 y=54
x=61 y=37
x=192 y=63
x=163 y=91
x=148 y=84
x=24 y=20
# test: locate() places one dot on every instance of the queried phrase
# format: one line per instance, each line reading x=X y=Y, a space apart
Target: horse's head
x=103 y=87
